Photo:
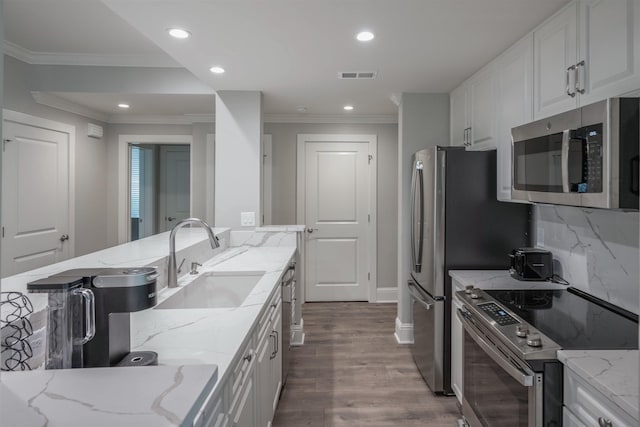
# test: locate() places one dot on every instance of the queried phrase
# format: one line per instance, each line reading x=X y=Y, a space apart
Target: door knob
x=64 y=237
x=170 y=218
x=311 y=230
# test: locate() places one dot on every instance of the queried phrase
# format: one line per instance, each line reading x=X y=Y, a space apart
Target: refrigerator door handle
x=413 y=219
x=420 y=297
x=421 y=223
x=417 y=185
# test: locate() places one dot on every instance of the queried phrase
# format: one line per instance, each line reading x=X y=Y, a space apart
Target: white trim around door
x=372 y=141
x=124 y=224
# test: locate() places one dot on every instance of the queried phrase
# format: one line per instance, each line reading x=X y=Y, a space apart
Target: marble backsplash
x=595 y=250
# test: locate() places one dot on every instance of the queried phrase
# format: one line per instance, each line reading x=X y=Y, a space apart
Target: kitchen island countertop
x=195 y=350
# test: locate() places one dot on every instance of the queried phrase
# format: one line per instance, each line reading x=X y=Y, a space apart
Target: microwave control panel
x=591 y=141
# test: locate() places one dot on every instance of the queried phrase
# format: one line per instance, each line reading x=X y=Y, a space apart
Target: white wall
x=284 y=137
x=423 y=122
x=91 y=156
x=595 y=250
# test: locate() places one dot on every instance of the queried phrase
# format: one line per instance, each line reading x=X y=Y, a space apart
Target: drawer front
x=242 y=369
x=590 y=406
x=570 y=420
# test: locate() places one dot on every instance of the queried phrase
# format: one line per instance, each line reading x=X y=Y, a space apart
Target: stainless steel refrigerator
x=456 y=224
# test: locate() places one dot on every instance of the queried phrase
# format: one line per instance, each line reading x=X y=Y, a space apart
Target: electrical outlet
x=248 y=219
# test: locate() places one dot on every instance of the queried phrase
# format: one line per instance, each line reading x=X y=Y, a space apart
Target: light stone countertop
x=614 y=373
x=186 y=340
x=498 y=279
x=158 y=396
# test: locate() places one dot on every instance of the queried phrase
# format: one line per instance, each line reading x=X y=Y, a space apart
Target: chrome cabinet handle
x=274 y=352
x=568 y=72
x=64 y=237
x=580 y=84
x=311 y=230
x=604 y=422
x=89 y=315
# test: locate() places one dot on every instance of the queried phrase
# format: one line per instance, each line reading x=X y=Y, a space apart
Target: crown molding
x=87 y=59
x=330 y=118
x=54 y=101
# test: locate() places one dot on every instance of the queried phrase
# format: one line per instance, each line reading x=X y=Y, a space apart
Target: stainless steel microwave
x=585 y=157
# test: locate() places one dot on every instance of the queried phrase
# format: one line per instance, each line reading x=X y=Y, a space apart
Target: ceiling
x=291 y=50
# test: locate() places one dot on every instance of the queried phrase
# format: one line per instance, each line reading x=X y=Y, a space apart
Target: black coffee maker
x=89 y=313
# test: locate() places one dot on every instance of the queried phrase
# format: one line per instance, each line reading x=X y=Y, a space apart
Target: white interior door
x=35 y=197
x=337 y=212
x=175 y=185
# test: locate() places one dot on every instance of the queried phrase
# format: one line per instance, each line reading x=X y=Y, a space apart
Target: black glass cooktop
x=573 y=319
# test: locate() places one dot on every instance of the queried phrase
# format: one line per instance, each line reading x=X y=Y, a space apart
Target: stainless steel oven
x=584 y=157
x=511 y=375
x=499 y=389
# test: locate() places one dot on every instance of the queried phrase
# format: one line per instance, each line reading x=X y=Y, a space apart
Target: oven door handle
x=516 y=372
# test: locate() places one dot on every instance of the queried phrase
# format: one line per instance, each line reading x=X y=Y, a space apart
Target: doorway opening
x=159 y=187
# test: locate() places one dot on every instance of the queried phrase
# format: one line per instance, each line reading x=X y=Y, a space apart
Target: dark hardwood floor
x=351 y=372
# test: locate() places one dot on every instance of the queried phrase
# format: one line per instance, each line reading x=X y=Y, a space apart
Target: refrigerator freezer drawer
x=428 y=336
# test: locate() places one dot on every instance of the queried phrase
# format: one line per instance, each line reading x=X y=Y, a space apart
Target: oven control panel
x=497 y=313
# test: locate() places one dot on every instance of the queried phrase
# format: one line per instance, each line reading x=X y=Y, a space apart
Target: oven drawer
x=590 y=406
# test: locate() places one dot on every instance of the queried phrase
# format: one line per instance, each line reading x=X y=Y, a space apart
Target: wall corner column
x=238 y=157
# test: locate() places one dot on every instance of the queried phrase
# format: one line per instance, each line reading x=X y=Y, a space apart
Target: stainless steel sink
x=214 y=290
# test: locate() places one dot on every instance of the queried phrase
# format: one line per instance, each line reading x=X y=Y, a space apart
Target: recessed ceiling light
x=123 y=105
x=301 y=109
x=348 y=107
x=216 y=70
x=365 y=36
x=179 y=33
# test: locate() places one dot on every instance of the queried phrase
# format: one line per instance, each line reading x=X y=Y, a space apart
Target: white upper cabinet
x=473 y=111
x=482 y=108
x=610 y=48
x=515 y=105
x=585 y=53
x=555 y=58
x=458 y=122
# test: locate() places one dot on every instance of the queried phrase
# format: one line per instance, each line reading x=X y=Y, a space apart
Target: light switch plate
x=247 y=219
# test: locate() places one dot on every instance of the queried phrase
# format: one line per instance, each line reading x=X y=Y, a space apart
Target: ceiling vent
x=357 y=75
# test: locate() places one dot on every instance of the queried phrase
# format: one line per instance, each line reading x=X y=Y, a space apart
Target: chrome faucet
x=172 y=273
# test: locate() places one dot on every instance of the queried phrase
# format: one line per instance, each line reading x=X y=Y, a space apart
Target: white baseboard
x=387 y=295
x=297 y=331
x=404 y=332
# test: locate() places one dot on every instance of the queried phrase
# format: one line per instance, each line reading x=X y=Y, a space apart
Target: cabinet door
x=515 y=105
x=609 y=47
x=555 y=50
x=263 y=379
x=456 y=350
x=482 y=108
x=245 y=415
x=458 y=114
x=276 y=361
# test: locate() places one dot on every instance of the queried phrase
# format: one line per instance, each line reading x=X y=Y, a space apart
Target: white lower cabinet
x=269 y=364
x=584 y=405
x=249 y=397
x=457 y=338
